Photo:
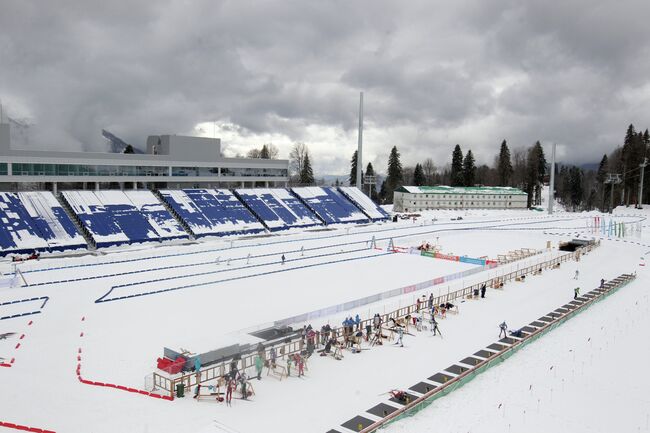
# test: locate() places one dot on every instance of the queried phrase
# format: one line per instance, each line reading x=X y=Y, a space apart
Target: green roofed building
x=420 y=198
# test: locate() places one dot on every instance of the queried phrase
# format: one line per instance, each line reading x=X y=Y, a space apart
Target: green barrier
x=500 y=357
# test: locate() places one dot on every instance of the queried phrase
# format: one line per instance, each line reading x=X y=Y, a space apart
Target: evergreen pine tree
x=383 y=192
x=457 y=178
x=370 y=171
x=601 y=175
x=504 y=165
x=307 y=174
x=418 y=176
x=395 y=174
x=575 y=185
x=264 y=153
x=353 y=169
x=628 y=161
x=602 y=170
x=536 y=170
x=469 y=169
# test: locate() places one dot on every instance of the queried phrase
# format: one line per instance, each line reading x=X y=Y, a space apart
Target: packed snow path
x=440 y=384
x=122 y=339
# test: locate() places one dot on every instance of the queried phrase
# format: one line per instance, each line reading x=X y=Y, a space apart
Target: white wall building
x=171 y=161
x=420 y=198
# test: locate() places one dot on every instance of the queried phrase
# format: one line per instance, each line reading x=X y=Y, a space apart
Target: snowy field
x=205 y=295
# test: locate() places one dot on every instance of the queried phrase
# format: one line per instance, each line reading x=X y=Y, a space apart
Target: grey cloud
x=472 y=72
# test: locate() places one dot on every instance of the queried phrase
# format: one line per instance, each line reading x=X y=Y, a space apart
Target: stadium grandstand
x=180 y=189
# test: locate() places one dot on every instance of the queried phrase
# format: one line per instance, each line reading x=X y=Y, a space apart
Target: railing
x=219 y=370
x=502 y=354
x=296 y=346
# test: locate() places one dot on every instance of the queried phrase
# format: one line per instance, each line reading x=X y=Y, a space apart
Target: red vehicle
x=32 y=256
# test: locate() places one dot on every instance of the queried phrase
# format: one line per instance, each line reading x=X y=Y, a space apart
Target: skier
x=229 y=387
x=400 y=337
x=288 y=366
x=283 y=259
x=301 y=365
x=259 y=364
x=244 y=391
x=357 y=321
x=273 y=356
x=602 y=283
x=197 y=369
x=576 y=292
x=503 y=329
x=483 y=288
x=399 y=395
x=575 y=277
x=434 y=327
x=376 y=320
x=233 y=370
x=368 y=331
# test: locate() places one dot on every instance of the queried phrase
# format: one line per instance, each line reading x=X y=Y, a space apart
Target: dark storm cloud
x=435 y=74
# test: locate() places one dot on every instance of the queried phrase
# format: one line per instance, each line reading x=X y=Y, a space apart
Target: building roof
x=442 y=189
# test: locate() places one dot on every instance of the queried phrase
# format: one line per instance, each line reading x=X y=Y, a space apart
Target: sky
x=434 y=74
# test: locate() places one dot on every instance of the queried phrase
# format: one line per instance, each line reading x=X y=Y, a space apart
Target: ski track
x=122 y=339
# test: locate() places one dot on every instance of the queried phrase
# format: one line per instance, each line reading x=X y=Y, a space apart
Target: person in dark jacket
x=503 y=329
x=483 y=288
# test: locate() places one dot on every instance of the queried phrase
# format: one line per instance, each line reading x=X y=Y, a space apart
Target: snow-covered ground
x=216 y=291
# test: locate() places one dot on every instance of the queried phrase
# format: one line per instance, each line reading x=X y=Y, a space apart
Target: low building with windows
x=171 y=161
x=420 y=198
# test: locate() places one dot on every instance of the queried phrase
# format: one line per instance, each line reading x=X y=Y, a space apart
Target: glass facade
x=33 y=169
x=195 y=171
x=257 y=172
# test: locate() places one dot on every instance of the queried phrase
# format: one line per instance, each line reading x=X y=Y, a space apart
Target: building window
x=3 y=169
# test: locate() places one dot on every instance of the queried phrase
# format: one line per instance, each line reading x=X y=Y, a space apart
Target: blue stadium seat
x=364 y=203
x=18 y=231
x=212 y=212
x=330 y=205
x=164 y=224
x=277 y=208
x=51 y=220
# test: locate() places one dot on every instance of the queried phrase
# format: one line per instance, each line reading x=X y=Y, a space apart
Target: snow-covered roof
x=441 y=189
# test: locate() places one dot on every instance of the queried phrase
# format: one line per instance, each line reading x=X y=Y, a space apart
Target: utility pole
x=612 y=179
x=360 y=144
x=640 y=200
x=551 y=190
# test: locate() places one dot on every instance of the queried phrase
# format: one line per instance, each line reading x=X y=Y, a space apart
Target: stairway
x=174 y=214
x=92 y=245
x=259 y=218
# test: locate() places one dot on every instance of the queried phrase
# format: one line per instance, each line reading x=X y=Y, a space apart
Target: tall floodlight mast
x=551 y=189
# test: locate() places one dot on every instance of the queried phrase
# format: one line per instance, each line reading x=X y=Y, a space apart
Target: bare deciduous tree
x=429 y=169
x=296 y=158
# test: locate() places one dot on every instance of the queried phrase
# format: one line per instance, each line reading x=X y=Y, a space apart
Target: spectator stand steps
x=173 y=213
x=92 y=244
